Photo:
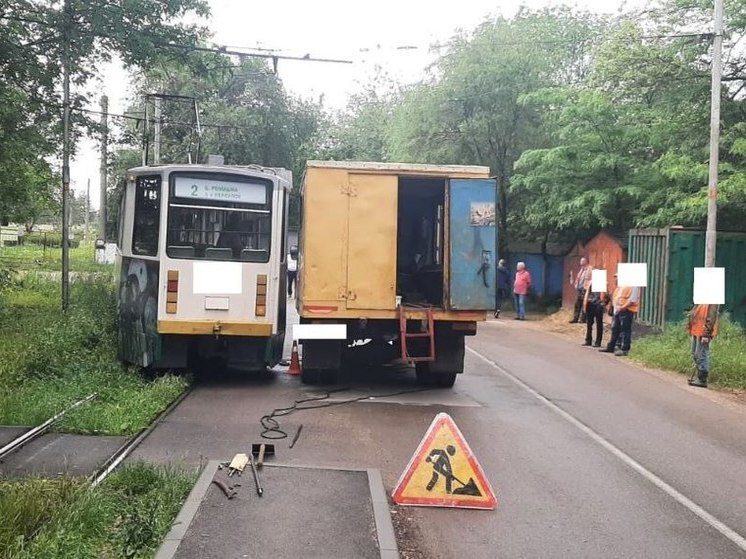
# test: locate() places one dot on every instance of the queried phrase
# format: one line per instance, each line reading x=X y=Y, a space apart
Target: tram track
x=115 y=459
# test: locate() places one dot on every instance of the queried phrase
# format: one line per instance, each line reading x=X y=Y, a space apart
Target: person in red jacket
x=521 y=285
x=703 y=326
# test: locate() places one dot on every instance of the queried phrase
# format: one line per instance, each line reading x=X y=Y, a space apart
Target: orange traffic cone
x=294 y=368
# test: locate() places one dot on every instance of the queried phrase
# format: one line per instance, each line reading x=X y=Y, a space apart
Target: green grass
x=35 y=257
x=672 y=350
x=49 y=360
x=126 y=516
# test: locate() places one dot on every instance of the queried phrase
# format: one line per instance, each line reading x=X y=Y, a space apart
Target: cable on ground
x=271 y=426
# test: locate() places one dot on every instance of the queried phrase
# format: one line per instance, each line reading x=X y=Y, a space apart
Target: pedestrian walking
x=625 y=303
x=702 y=327
x=580 y=283
x=292 y=265
x=594 y=307
x=503 y=283
x=521 y=286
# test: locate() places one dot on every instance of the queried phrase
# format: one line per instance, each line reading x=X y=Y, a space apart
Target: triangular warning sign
x=444 y=472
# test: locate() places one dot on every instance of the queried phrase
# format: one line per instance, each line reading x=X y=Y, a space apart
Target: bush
x=671 y=349
x=51 y=240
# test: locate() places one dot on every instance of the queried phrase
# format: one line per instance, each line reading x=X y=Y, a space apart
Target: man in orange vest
x=625 y=304
x=703 y=326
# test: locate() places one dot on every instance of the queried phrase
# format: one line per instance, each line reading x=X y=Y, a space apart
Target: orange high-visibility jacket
x=703 y=321
x=622 y=296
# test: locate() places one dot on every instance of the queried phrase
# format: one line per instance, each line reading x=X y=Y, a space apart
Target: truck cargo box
x=391 y=241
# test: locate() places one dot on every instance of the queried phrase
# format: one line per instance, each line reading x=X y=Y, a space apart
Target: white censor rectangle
x=598 y=281
x=709 y=286
x=216 y=278
x=319 y=332
x=632 y=274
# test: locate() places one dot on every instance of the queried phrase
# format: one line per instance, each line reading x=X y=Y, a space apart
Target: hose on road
x=271 y=426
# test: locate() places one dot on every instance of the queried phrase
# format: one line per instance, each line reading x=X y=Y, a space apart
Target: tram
x=201 y=265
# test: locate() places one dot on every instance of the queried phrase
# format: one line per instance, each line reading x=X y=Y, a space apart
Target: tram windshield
x=219 y=216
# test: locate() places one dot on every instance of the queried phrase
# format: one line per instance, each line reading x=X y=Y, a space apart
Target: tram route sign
x=220 y=190
x=444 y=472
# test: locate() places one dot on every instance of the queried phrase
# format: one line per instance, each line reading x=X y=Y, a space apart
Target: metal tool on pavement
x=228 y=490
x=295 y=438
x=259 y=490
x=260 y=451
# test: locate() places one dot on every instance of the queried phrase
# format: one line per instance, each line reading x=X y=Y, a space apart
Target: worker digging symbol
x=441 y=462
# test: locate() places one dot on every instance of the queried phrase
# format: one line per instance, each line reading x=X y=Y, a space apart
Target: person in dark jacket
x=503 y=284
x=594 y=307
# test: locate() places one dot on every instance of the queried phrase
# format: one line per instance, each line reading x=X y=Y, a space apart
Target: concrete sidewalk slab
x=59 y=454
x=304 y=512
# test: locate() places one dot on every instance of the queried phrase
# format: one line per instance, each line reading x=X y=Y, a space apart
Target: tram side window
x=145 y=231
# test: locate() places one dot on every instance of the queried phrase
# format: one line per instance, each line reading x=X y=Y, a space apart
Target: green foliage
x=27 y=505
x=49 y=360
x=33 y=255
x=127 y=516
x=32 y=42
x=672 y=350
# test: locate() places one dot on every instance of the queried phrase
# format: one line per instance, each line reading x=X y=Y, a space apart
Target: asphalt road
x=589 y=455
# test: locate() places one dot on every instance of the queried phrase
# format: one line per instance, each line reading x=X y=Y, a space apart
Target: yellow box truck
x=396 y=261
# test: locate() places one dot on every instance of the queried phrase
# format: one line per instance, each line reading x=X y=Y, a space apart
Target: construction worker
x=703 y=326
x=580 y=282
x=594 y=307
x=625 y=304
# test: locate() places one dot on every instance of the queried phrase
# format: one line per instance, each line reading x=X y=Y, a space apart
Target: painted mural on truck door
x=139 y=341
x=472 y=244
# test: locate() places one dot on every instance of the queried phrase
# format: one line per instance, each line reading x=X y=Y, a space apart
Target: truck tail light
x=172 y=291
x=261 y=295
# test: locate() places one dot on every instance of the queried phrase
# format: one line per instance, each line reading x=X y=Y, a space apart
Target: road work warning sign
x=444 y=472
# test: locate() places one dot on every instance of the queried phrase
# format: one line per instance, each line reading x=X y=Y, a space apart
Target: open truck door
x=472 y=220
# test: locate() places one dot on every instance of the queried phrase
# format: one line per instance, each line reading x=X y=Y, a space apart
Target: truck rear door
x=371 y=251
x=472 y=246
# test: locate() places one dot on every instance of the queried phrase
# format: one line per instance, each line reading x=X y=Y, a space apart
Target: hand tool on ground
x=237 y=464
x=260 y=450
x=259 y=490
x=229 y=491
x=295 y=438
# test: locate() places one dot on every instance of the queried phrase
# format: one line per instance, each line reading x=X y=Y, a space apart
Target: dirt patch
x=409 y=538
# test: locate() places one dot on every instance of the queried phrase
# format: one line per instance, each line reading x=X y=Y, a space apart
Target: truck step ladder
x=404 y=335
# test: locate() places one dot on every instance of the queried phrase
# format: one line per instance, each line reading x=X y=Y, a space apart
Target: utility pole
x=87 y=208
x=157 y=133
x=66 y=157
x=103 y=167
x=712 y=187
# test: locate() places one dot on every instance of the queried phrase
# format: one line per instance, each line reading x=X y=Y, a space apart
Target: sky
x=368 y=33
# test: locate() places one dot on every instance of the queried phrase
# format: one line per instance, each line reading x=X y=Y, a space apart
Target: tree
x=470 y=111
x=629 y=145
x=31 y=50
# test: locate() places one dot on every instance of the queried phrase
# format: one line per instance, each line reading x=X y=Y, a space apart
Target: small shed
x=546 y=276
x=604 y=251
x=671 y=255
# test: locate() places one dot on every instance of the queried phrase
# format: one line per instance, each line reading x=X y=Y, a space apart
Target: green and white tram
x=202 y=265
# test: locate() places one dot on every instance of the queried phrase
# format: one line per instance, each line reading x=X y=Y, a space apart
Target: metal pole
x=66 y=157
x=157 y=133
x=103 y=167
x=712 y=188
x=87 y=208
